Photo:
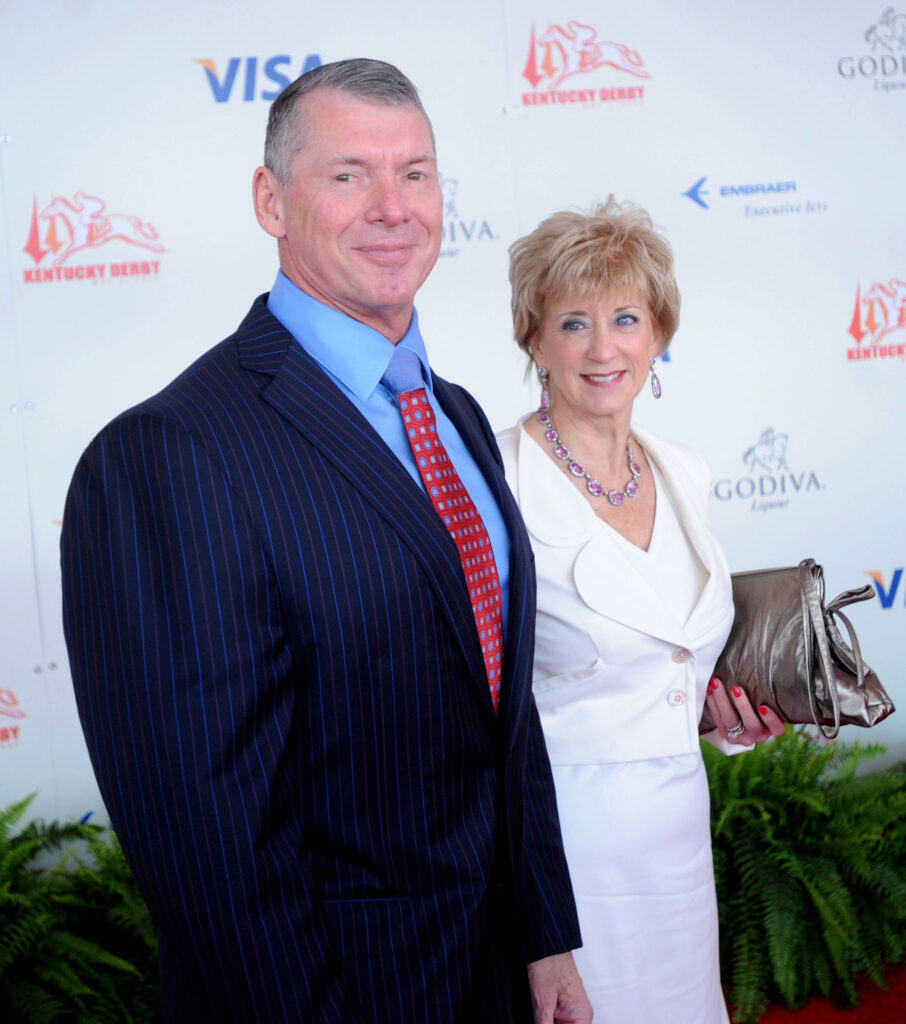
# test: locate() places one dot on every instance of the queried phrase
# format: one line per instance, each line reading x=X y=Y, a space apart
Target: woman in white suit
x=634 y=606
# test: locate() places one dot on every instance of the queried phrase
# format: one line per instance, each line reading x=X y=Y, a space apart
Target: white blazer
x=617 y=677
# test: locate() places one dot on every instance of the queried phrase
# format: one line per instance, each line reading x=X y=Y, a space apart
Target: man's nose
x=388 y=203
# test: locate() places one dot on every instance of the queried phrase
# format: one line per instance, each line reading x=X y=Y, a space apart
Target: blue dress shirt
x=355 y=357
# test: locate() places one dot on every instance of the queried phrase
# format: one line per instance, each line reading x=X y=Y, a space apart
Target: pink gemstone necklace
x=575 y=467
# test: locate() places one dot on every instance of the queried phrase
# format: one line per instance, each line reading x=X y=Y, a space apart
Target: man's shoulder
x=463 y=409
x=257 y=347
x=455 y=399
x=258 y=344
x=508 y=442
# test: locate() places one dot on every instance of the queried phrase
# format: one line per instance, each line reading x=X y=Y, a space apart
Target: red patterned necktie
x=455 y=507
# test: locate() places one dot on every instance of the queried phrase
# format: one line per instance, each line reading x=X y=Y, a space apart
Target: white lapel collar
x=554 y=512
x=558 y=516
x=606 y=578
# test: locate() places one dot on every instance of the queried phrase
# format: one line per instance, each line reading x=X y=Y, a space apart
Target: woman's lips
x=603 y=378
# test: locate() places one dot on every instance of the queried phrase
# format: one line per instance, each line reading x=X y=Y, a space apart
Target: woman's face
x=596 y=351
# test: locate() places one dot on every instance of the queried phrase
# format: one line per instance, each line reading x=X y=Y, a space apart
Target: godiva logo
x=770 y=484
x=885 y=65
x=461 y=228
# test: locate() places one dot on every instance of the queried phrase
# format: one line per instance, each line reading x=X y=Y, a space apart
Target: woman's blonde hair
x=612 y=247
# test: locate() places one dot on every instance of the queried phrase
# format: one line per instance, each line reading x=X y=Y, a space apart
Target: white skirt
x=637 y=839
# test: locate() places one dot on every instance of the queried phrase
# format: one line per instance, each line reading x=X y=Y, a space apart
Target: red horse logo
x=886 y=310
x=573 y=50
x=9 y=705
x=85 y=226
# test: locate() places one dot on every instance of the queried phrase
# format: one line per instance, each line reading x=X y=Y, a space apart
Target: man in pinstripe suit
x=273 y=647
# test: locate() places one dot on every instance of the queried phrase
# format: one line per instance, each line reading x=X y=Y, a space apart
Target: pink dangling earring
x=655 y=380
x=545 y=391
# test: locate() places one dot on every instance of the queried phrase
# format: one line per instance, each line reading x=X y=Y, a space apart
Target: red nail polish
x=737 y=691
x=712 y=686
x=762 y=710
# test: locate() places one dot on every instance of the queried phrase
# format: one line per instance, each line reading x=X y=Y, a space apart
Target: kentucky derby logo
x=460 y=230
x=66 y=227
x=9 y=709
x=769 y=483
x=885 y=66
x=879 y=311
x=562 y=52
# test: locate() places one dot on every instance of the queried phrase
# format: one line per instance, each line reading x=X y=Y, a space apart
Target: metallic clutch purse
x=786 y=651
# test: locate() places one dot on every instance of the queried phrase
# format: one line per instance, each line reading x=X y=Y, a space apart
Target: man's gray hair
x=373 y=80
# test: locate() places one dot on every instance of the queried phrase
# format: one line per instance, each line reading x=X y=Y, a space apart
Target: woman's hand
x=732 y=710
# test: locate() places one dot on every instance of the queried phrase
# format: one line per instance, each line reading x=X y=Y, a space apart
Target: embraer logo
x=696 y=192
x=767 y=188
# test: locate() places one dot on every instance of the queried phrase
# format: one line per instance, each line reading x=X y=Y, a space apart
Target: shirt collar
x=353 y=353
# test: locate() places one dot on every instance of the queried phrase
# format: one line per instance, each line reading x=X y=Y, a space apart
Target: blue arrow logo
x=695 y=193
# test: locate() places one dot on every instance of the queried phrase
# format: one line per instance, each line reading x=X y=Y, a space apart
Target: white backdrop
x=766 y=141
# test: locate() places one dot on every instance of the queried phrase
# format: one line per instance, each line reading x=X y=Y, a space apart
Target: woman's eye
x=572 y=325
x=626 y=319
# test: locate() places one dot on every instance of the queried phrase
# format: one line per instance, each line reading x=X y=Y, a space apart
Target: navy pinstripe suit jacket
x=280 y=681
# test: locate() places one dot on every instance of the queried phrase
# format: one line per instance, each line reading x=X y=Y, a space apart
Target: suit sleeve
x=185 y=680
x=552 y=923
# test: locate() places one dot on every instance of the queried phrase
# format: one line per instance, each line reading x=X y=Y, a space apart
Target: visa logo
x=887 y=592
x=275 y=75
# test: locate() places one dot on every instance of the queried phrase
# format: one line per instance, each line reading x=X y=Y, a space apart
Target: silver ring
x=736 y=730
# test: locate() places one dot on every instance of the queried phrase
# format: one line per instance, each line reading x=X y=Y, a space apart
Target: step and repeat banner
x=766 y=140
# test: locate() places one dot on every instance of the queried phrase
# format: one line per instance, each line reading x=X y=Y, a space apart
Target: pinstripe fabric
x=252 y=587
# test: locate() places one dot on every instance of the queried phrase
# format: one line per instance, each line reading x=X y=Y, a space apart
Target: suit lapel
x=310 y=402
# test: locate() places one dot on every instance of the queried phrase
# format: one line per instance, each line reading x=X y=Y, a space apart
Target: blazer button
x=680 y=655
x=676 y=698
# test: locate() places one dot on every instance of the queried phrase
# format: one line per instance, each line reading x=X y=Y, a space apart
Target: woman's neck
x=599 y=442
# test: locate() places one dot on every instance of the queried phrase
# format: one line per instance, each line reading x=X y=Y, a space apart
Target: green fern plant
x=810 y=865
x=76 y=940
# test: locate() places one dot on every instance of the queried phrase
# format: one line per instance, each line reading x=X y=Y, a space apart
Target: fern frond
x=27 y=1003
x=810 y=867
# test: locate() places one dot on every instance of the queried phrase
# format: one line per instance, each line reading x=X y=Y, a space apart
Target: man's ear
x=267 y=194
